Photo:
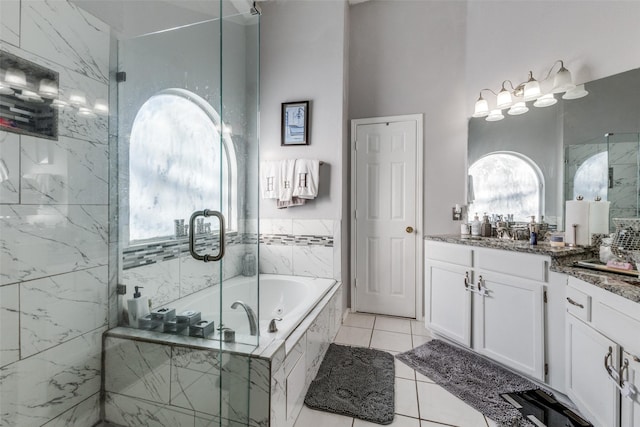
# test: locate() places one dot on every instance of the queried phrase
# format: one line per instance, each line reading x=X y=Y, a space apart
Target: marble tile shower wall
x=53 y=229
x=300 y=247
x=623 y=158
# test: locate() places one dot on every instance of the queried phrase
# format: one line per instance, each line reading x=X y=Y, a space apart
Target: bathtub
x=290 y=298
x=177 y=379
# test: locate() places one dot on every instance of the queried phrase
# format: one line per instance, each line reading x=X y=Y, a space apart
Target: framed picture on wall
x=295 y=123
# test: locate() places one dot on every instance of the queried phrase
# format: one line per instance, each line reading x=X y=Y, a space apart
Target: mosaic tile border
x=154 y=252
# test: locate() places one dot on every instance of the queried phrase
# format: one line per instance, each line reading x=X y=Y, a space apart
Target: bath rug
x=475 y=380
x=356 y=382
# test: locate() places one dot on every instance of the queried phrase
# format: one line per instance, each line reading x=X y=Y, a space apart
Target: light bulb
x=504 y=99
x=518 y=108
x=545 y=100
x=101 y=107
x=575 y=93
x=481 y=108
x=48 y=89
x=495 y=116
x=77 y=98
x=15 y=78
x=562 y=82
x=87 y=113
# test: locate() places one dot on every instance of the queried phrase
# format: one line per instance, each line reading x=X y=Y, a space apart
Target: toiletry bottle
x=533 y=234
x=476 y=226
x=486 y=226
x=138 y=307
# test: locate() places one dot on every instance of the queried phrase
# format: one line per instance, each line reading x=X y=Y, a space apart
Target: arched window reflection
x=506 y=183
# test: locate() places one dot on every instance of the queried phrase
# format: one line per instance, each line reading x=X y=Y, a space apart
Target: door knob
x=409 y=229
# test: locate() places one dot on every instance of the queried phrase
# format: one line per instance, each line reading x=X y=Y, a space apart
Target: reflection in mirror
x=606 y=167
x=551 y=137
x=506 y=184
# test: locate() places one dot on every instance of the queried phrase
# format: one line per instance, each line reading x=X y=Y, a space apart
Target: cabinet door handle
x=572 y=302
x=466 y=279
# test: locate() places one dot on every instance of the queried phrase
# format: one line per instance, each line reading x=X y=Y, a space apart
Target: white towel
x=285 y=180
x=269 y=172
x=306 y=178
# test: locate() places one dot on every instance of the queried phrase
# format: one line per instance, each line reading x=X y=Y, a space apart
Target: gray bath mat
x=475 y=380
x=356 y=382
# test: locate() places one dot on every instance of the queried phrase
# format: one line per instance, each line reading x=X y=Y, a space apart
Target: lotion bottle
x=138 y=307
x=476 y=226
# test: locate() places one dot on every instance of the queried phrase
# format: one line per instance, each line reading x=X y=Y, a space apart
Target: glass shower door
x=188 y=207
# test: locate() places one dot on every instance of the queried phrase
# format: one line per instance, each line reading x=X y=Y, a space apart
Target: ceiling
x=131 y=18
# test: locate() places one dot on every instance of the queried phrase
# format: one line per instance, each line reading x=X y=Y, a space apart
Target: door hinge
x=355 y=283
x=544 y=297
x=546 y=369
x=121 y=76
x=121 y=289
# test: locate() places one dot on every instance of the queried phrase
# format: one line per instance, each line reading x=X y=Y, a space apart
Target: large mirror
x=530 y=164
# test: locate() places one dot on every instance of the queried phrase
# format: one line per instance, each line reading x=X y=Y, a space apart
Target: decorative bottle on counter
x=476 y=226
x=138 y=307
x=533 y=231
x=485 y=230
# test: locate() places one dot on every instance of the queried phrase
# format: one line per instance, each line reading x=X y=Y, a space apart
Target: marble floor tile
x=423 y=378
x=358 y=337
x=438 y=405
x=393 y=324
x=418 y=340
x=394 y=341
x=398 y=421
x=418 y=328
x=360 y=320
x=309 y=417
x=403 y=370
x=406 y=399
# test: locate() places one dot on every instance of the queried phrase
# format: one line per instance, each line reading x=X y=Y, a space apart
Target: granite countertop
x=625 y=286
x=542 y=248
x=562 y=259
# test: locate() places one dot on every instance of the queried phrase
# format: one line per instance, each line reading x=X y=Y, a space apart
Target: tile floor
x=419 y=401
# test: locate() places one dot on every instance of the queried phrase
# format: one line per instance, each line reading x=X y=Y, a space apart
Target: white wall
x=506 y=39
x=302 y=48
x=405 y=58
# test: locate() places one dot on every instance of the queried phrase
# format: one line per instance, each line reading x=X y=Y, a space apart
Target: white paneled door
x=387 y=188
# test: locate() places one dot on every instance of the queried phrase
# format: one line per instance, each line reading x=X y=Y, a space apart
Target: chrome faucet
x=253 y=320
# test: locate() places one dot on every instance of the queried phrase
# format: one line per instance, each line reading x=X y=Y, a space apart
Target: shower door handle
x=192 y=235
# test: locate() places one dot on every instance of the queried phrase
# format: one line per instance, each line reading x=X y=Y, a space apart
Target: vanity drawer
x=579 y=304
x=449 y=252
x=527 y=266
x=618 y=325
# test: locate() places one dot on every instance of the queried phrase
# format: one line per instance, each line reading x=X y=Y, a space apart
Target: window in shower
x=506 y=183
x=178 y=163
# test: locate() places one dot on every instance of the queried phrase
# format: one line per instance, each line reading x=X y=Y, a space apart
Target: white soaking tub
x=290 y=298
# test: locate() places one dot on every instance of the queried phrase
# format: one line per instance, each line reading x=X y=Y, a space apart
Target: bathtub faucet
x=253 y=320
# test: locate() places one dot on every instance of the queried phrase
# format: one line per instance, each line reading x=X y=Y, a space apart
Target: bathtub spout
x=253 y=320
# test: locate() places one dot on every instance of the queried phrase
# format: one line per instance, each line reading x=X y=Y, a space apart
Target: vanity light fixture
x=15 y=78
x=531 y=90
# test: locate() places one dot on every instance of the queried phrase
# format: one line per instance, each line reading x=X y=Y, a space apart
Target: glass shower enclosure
x=187 y=205
x=607 y=167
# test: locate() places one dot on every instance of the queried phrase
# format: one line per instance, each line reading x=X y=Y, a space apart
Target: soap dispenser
x=476 y=226
x=138 y=307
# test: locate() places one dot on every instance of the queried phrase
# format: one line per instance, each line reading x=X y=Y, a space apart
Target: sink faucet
x=253 y=320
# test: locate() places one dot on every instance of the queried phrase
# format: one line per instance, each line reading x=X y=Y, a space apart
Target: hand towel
x=285 y=180
x=295 y=201
x=269 y=179
x=306 y=178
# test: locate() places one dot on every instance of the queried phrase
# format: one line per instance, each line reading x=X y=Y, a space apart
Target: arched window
x=592 y=177
x=178 y=163
x=506 y=183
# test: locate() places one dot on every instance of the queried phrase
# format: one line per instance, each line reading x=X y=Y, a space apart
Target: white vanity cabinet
x=630 y=411
x=602 y=347
x=475 y=298
x=587 y=382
